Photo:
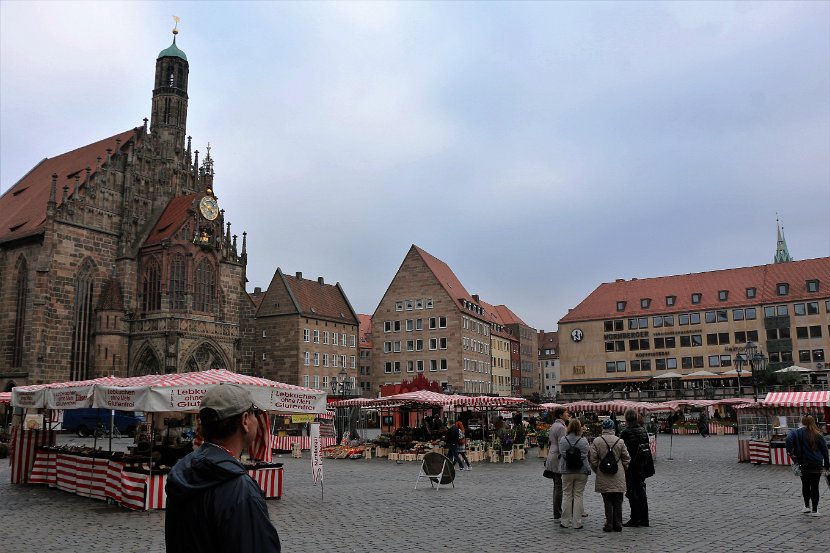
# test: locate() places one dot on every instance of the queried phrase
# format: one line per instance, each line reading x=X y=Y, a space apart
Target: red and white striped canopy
x=796 y=399
x=490 y=402
x=617 y=406
x=435 y=399
x=5 y=398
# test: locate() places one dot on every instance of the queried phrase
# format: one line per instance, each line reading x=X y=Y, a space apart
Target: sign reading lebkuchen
x=34 y=398
x=69 y=398
x=121 y=399
x=316 y=454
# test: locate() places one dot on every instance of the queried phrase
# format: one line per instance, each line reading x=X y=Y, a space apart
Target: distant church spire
x=782 y=255
x=169 y=109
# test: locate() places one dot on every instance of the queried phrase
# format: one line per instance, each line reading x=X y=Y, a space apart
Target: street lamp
x=757 y=362
x=343 y=387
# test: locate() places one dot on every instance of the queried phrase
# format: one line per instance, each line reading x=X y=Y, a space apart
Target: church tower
x=782 y=254
x=169 y=115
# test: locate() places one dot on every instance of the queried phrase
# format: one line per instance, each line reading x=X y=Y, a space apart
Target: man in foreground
x=212 y=503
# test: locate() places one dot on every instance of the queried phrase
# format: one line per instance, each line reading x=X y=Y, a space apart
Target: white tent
x=794 y=369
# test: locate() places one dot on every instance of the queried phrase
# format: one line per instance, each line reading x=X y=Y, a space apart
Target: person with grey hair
x=557 y=430
x=634 y=436
x=610 y=484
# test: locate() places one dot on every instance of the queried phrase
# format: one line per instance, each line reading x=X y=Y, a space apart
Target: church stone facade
x=116 y=259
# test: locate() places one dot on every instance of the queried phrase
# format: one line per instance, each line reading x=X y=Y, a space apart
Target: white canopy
x=794 y=369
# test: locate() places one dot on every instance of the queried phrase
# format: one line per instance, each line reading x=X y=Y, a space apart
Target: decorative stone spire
x=782 y=254
x=50 y=205
x=245 y=244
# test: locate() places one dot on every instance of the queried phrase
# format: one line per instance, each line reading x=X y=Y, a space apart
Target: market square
x=701 y=501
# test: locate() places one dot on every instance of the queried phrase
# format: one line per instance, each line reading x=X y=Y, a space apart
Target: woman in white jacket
x=573 y=479
x=611 y=486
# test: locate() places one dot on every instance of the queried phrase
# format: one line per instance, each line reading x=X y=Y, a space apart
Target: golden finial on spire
x=176 y=26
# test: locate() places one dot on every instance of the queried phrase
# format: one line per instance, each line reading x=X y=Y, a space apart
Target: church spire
x=169 y=110
x=782 y=255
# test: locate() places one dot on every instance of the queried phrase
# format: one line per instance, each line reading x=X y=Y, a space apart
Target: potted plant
x=543 y=439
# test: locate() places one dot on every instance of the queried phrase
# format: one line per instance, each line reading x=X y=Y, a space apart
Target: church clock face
x=209 y=208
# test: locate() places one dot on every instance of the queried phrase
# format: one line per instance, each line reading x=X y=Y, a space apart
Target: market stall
x=763 y=426
x=290 y=431
x=137 y=480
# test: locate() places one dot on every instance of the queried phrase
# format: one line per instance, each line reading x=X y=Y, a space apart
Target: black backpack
x=608 y=464
x=573 y=457
x=644 y=461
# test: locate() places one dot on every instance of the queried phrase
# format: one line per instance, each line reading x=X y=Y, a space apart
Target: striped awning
x=797 y=399
x=5 y=398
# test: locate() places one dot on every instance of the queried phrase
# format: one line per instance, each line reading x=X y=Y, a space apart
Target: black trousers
x=613 y=509
x=810 y=480
x=636 y=492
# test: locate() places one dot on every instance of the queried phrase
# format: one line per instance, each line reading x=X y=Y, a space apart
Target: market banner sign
x=293 y=400
x=302 y=418
x=77 y=397
x=31 y=399
x=121 y=398
x=316 y=454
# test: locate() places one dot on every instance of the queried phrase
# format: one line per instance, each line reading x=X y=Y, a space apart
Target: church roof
x=602 y=302
x=24 y=205
x=172 y=51
x=171 y=219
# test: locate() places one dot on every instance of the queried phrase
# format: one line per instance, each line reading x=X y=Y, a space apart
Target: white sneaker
x=815 y=514
x=469 y=468
x=805 y=510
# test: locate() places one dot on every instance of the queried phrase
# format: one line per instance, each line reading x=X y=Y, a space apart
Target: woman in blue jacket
x=808 y=448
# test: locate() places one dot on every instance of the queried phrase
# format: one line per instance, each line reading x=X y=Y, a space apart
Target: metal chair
x=438 y=469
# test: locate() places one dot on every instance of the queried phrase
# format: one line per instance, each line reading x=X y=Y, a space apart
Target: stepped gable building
x=116 y=259
x=629 y=331
x=527 y=354
x=306 y=332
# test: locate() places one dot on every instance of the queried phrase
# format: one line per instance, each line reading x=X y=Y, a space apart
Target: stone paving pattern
x=701 y=501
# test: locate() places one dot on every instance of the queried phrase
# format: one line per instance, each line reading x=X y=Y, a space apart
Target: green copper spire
x=173 y=51
x=782 y=255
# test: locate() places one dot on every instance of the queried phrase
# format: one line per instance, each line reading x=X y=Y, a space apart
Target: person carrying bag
x=610 y=479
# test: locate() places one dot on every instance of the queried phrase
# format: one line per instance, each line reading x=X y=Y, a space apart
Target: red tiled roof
x=447 y=279
x=602 y=302
x=171 y=219
x=24 y=205
x=365 y=330
x=320 y=300
x=548 y=339
x=492 y=315
x=508 y=316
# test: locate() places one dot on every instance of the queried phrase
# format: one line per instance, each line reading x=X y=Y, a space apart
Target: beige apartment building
x=306 y=332
x=627 y=332
x=502 y=343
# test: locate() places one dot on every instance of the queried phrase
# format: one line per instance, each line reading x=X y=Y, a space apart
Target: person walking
x=703 y=424
x=213 y=506
x=461 y=446
x=635 y=435
x=808 y=448
x=557 y=430
x=574 y=475
x=611 y=486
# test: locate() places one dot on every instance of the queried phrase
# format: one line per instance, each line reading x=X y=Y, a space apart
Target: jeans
x=809 y=488
x=573 y=487
x=462 y=455
x=557 y=496
x=635 y=490
x=613 y=509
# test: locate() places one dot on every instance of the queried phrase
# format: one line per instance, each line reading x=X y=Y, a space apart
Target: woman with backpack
x=573 y=464
x=808 y=448
x=609 y=458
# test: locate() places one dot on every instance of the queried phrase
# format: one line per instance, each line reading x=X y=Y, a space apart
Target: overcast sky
x=539 y=149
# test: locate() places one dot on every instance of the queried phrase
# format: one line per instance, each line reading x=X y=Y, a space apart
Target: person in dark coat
x=213 y=506
x=808 y=448
x=635 y=485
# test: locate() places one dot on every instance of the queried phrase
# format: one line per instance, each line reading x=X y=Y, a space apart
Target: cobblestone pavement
x=702 y=500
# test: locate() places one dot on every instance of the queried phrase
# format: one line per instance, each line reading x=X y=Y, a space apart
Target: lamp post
x=341 y=386
x=757 y=362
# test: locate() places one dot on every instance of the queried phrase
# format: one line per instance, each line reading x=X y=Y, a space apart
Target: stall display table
x=286 y=443
x=124 y=482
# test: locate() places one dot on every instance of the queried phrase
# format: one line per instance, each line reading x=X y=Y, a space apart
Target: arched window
x=20 y=313
x=205 y=287
x=82 y=324
x=151 y=286
x=177 y=283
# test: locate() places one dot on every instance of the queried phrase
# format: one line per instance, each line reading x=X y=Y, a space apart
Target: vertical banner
x=316 y=454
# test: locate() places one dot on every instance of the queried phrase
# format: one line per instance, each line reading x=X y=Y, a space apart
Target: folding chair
x=438 y=469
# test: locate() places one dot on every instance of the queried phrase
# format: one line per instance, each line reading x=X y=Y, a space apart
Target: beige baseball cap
x=225 y=401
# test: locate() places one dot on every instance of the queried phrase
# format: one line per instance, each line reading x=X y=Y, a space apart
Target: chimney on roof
x=620 y=280
x=320 y=281
x=299 y=275
x=257 y=290
x=475 y=298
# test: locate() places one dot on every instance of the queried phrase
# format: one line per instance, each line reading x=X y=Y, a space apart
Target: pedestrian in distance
x=213 y=505
x=807 y=447
x=460 y=446
x=574 y=474
x=634 y=436
x=557 y=430
x=610 y=485
x=703 y=424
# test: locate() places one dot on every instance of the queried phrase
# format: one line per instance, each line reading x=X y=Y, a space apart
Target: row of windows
x=409 y=305
x=415 y=324
x=475 y=326
x=691 y=340
x=314 y=336
x=204 y=289
x=416 y=366
x=476 y=345
x=477 y=387
x=313 y=381
x=315 y=358
x=472 y=365
x=715 y=361
x=782 y=288
x=415 y=345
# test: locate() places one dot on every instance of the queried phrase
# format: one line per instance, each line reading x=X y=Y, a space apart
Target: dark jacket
x=798 y=446
x=214 y=506
x=633 y=436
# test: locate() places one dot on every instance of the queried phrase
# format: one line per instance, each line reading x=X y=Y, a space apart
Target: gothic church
x=116 y=259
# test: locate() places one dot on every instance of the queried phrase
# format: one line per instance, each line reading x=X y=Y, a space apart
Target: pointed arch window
x=79 y=361
x=151 y=286
x=205 y=287
x=177 y=283
x=20 y=313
